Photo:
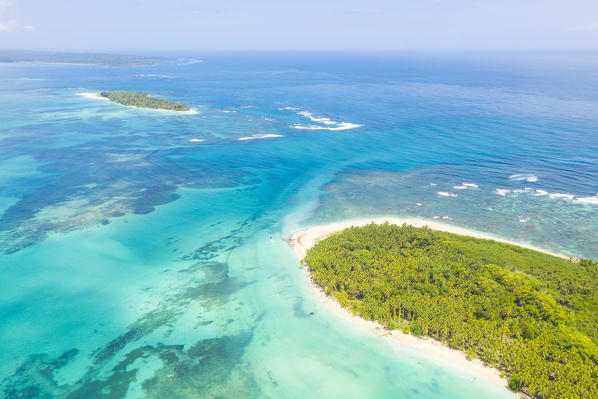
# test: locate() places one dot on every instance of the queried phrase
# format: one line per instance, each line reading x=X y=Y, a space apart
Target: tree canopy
x=532 y=315
x=142 y=100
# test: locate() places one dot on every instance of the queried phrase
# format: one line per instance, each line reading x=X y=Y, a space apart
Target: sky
x=343 y=25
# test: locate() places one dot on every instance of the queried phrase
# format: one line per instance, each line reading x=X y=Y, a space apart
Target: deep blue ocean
x=144 y=253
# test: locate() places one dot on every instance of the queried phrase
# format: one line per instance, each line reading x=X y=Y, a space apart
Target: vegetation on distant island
x=142 y=100
x=532 y=315
x=78 y=58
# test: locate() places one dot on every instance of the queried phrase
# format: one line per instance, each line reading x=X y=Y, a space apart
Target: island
x=52 y=57
x=140 y=99
x=531 y=315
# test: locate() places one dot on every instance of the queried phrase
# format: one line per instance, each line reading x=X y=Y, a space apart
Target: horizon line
x=302 y=50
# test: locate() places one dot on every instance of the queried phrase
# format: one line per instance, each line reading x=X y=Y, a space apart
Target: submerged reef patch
x=85 y=187
x=210 y=367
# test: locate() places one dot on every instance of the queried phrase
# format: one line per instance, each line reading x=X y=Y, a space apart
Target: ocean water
x=144 y=253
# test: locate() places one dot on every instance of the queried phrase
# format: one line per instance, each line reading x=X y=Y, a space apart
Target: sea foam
x=562 y=196
x=260 y=136
x=446 y=194
x=188 y=61
x=324 y=123
x=310 y=116
x=339 y=126
x=155 y=76
x=588 y=200
x=524 y=177
x=465 y=186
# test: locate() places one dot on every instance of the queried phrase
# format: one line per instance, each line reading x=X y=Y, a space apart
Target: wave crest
x=323 y=123
x=528 y=177
x=260 y=136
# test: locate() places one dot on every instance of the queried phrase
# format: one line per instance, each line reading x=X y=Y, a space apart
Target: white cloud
x=12 y=26
x=592 y=26
x=5 y=5
x=8 y=23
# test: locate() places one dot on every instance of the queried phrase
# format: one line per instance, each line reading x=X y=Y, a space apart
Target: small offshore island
x=140 y=99
x=531 y=315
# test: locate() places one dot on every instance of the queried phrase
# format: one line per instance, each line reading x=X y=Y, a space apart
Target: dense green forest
x=532 y=315
x=142 y=100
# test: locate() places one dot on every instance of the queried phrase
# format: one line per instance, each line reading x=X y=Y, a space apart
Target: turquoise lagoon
x=138 y=263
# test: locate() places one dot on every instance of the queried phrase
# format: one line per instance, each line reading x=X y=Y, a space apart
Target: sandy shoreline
x=302 y=240
x=97 y=96
x=94 y=96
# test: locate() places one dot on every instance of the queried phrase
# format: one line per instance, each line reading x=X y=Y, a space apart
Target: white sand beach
x=98 y=96
x=94 y=96
x=302 y=240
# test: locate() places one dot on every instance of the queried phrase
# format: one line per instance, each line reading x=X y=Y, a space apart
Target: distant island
x=531 y=315
x=140 y=99
x=79 y=58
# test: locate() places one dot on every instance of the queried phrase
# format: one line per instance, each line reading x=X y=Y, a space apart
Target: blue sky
x=146 y=25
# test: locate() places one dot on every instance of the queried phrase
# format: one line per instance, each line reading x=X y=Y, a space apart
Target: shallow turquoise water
x=137 y=263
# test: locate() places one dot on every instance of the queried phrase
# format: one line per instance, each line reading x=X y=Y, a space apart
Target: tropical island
x=53 y=57
x=140 y=99
x=531 y=315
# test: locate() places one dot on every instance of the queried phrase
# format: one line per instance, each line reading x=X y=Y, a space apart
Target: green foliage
x=515 y=384
x=78 y=58
x=142 y=100
x=532 y=315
